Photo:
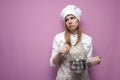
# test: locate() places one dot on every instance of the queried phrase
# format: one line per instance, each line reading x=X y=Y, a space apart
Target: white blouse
x=59 y=41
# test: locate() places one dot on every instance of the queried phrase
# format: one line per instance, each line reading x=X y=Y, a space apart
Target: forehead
x=70 y=15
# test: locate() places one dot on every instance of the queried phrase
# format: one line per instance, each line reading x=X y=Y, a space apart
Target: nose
x=69 y=21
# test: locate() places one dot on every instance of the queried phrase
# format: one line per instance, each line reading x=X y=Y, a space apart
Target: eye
x=72 y=18
x=66 y=20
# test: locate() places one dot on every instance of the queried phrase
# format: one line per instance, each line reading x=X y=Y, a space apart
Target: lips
x=71 y=26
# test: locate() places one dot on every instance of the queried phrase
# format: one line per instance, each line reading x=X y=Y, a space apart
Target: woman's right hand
x=65 y=49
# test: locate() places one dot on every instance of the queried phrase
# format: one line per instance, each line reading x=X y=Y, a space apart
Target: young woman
x=72 y=49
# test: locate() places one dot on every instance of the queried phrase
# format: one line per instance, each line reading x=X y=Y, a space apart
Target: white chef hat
x=71 y=9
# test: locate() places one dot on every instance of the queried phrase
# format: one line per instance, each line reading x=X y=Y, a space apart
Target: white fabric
x=71 y=9
x=59 y=41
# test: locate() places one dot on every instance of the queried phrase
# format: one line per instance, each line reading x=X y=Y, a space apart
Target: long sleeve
x=57 y=43
x=55 y=49
x=87 y=42
x=90 y=49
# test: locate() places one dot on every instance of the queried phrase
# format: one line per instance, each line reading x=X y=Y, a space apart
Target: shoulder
x=59 y=37
x=86 y=38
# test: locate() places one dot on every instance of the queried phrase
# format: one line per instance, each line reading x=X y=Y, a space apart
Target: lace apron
x=65 y=72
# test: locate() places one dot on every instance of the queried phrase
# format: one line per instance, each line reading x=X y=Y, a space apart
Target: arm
x=63 y=51
x=92 y=60
x=55 y=53
x=56 y=60
x=59 y=49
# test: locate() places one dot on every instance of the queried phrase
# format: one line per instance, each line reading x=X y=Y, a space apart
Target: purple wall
x=27 y=28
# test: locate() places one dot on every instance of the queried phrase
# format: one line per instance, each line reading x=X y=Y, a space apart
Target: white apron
x=64 y=72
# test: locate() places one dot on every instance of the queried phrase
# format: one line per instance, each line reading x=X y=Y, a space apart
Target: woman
x=72 y=49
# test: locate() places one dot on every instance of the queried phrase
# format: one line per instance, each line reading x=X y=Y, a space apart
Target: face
x=72 y=23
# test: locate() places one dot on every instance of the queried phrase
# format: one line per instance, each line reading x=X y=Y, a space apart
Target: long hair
x=67 y=35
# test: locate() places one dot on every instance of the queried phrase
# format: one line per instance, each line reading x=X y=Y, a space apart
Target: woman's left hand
x=95 y=60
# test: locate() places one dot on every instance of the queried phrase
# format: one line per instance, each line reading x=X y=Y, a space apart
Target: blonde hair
x=67 y=35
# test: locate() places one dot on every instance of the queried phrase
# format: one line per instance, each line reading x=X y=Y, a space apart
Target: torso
x=64 y=72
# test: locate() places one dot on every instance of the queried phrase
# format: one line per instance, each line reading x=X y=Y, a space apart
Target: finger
x=98 y=60
x=67 y=46
x=100 y=57
x=64 y=50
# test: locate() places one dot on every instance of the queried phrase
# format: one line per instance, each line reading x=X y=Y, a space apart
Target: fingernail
x=100 y=57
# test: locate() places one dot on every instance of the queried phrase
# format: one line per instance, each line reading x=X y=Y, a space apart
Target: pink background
x=27 y=28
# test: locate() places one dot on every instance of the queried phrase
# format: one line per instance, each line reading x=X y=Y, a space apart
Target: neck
x=73 y=32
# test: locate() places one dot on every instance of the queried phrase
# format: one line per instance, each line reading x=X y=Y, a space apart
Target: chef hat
x=71 y=9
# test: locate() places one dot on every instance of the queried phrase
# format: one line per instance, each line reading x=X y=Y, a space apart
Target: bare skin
x=72 y=24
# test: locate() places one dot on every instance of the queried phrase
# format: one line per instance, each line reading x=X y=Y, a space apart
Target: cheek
x=76 y=23
x=66 y=24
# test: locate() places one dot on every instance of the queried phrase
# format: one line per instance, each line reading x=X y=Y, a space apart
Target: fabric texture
x=71 y=9
x=64 y=72
x=59 y=40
